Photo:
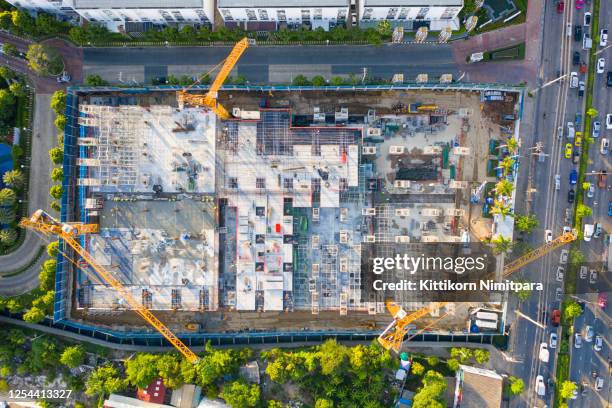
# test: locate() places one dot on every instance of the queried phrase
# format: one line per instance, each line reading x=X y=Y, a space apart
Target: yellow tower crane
x=393 y=335
x=69 y=232
x=209 y=99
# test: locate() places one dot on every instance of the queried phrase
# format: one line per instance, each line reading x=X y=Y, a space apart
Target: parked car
x=544 y=354
x=577 y=32
x=568 y=150
x=591 y=190
x=540 y=387
x=588 y=232
x=583 y=271
x=564 y=256
x=593 y=277
x=555 y=317
x=603 y=37
x=587 y=18
x=553 y=341
x=576 y=156
x=578 y=119
x=610 y=209
x=598 y=230
x=596 y=129
x=576 y=58
x=548 y=237
x=581 y=88
x=601 y=64
x=587 y=42
x=609 y=121
x=599 y=382
x=574 y=80
x=579 y=4
x=604 y=146
x=577 y=340
x=560 y=7
x=558 y=294
x=560 y=273
x=571 y=195
x=557 y=181
x=598 y=344
x=578 y=139
x=609 y=80
x=573 y=177
x=570 y=130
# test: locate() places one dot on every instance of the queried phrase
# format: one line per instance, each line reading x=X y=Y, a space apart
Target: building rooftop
x=478 y=388
x=413 y=3
x=136 y=4
x=281 y=3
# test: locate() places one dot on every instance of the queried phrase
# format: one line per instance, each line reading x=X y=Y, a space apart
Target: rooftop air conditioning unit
x=396 y=150
x=369 y=150
x=369 y=238
x=401 y=183
x=402 y=239
x=368 y=211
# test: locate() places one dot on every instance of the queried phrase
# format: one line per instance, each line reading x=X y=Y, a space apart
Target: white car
x=544 y=354
x=601 y=64
x=559 y=294
x=609 y=121
x=557 y=181
x=598 y=345
x=574 y=80
x=605 y=145
x=553 y=341
x=560 y=273
x=603 y=37
x=599 y=382
x=589 y=333
x=583 y=272
x=587 y=19
x=548 y=237
x=540 y=386
x=577 y=340
x=591 y=190
x=596 y=129
x=593 y=277
x=564 y=256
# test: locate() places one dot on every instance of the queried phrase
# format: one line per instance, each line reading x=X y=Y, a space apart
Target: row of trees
x=56 y=154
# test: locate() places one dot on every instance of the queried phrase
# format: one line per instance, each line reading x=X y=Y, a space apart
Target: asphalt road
x=44 y=139
x=270 y=63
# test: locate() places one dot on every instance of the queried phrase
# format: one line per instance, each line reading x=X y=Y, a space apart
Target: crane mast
x=43 y=222
x=393 y=335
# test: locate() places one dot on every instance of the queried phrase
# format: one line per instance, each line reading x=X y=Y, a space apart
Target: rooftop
x=414 y=3
x=281 y=3
x=478 y=388
x=136 y=4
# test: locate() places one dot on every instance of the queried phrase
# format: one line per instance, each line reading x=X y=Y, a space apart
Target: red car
x=555 y=319
x=560 y=7
x=579 y=4
x=602 y=300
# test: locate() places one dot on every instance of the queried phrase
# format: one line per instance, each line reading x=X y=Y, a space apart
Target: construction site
x=255 y=222
x=243 y=211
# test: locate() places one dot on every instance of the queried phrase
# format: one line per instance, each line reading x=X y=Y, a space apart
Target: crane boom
x=46 y=224
x=210 y=98
x=393 y=335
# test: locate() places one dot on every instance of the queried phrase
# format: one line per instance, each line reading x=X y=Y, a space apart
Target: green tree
x=7 y=104
x=57 y=174
x=34 y=315
x=324 y=403
x=56 y=192
x=4 y=387
x=526 y=223
x=501 y=208
x=96 y=80
x=507 y=163
x=318 y=80
x=104 y=380
x=512 y=145
x=300 y=80
x=7 y=215
x=73 y=356
x=583 y=211
x=239 y=394
x=274 y=404
x=10 y=49
x=567 y=389
x=44 y=60
x=417 y=369
x=517 y=385
x=337 y=81
x=8 y=74
x=384 y=28
x=55 y=205
x=56 y=155
x=482 y=355
x=141 y=370
x=240 y=80
x=592 y=112
x=8 y=236
x=571 y=310
x=13 y=178
x=501 y=244
x=433 y=361
x=169 y=369
x=504 y=188
x=58 y=102
x=18 y=89
x=23 y=22
x=78 y=35
x=60 y=122
x=464 y=354
x=452 y=364
x=46 y=276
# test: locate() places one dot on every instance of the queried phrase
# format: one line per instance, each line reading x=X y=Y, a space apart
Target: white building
x=316 y=13
x=47 y=6
x=116 y=13
x=436 y=14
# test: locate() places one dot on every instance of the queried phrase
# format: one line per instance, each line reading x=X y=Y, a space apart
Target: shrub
x=8 y=236
x=56 y=155
x=56 y=192
x=60 y=122
x=57 y=174
x=96 y=80
x=44 y=60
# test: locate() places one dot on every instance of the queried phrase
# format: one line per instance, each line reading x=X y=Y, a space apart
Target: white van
x=588 y=232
